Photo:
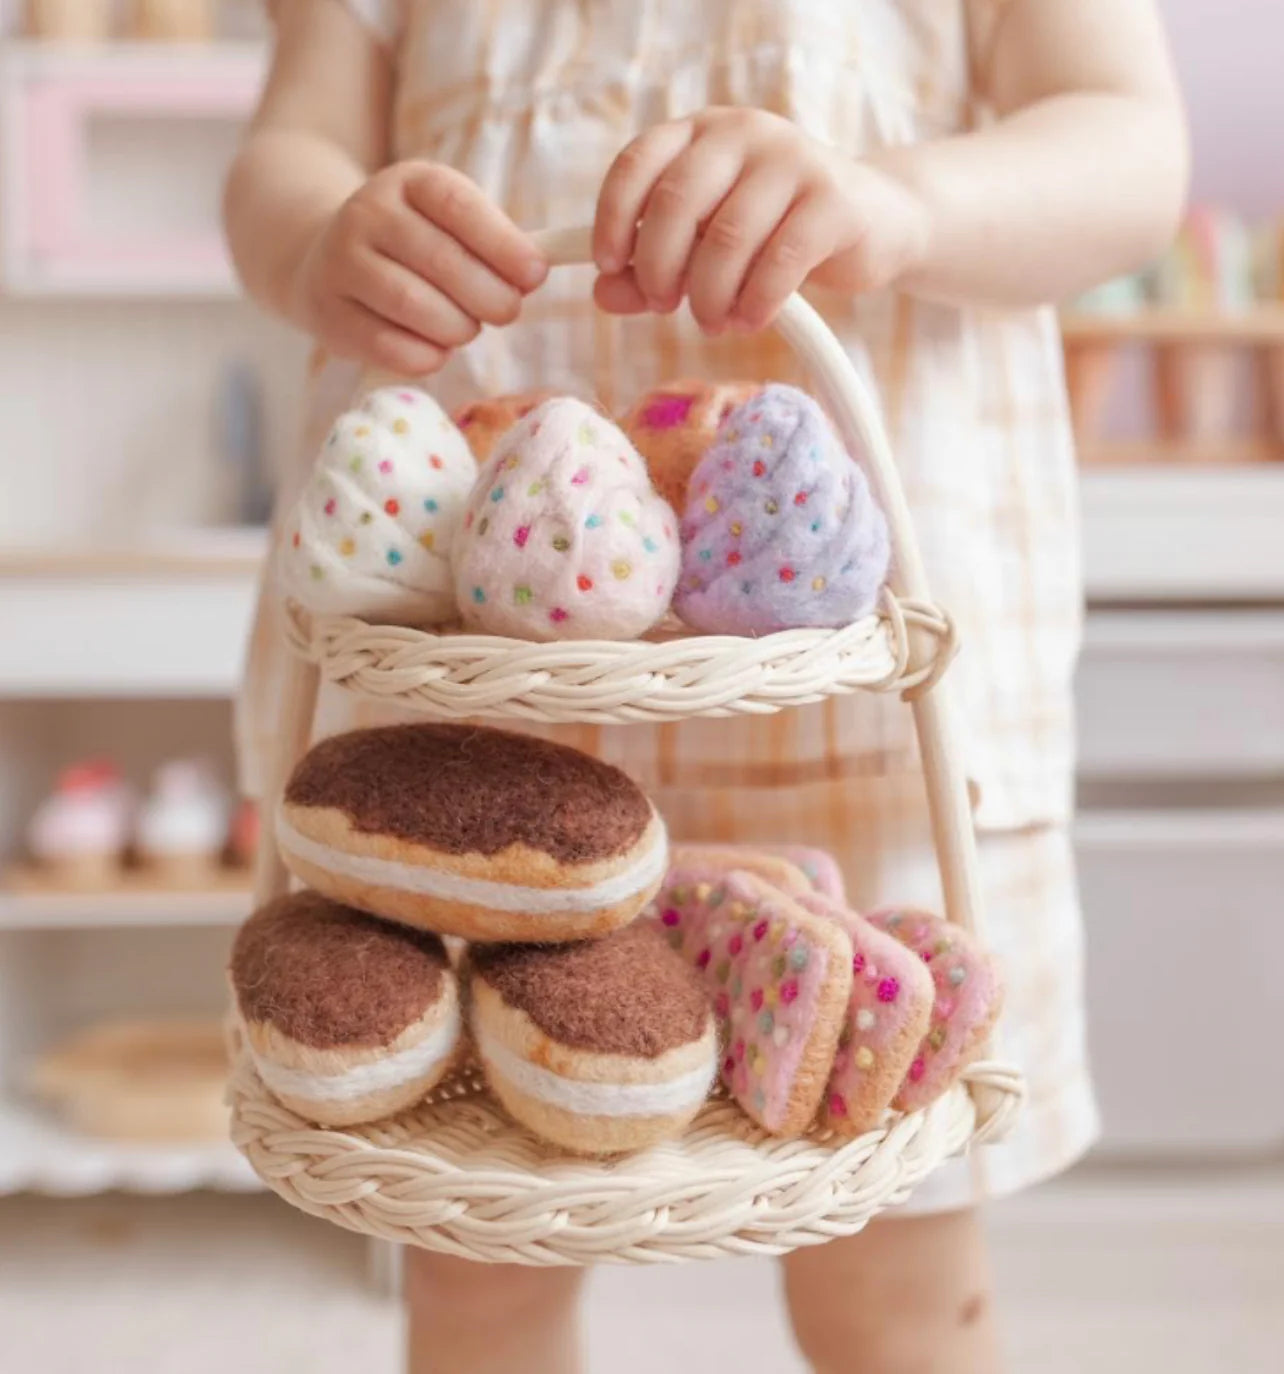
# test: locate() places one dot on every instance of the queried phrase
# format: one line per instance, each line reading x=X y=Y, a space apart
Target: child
x=932 y=171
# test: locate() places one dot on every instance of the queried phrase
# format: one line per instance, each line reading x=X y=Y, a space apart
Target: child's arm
x=1082 y=177
x=392 y=265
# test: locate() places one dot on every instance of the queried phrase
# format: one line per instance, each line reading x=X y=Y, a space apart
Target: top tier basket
x=455 y=1175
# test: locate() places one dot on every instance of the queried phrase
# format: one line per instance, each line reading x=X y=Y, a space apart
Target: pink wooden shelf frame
x=50 y=239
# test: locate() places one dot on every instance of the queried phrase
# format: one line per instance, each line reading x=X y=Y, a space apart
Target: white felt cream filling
x=596 y=1099
x=481 y=892
x=392 y=1071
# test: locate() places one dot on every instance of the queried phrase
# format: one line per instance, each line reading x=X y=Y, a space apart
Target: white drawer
x=1171 y=693
x=1185 y=918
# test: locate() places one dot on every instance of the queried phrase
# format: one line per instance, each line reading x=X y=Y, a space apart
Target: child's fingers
x=625 y=189
x=802 y=240
x=619 y=294
x=688 y=191
x=731 y=242
x=399 y=295
x=439 y=258
x=355 y=331
x=459 y=206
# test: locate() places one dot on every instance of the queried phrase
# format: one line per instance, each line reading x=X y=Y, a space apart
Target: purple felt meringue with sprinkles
x=781 y=529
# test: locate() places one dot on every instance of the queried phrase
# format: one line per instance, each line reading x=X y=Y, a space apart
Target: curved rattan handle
x=857 y=415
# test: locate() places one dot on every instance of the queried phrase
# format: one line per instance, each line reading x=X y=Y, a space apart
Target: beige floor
x=1102 y=1273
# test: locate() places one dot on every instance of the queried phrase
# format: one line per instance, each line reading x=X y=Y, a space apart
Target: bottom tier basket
x=457 y=1176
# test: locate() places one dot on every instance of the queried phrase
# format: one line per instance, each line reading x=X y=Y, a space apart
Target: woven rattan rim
x=455 y=1175
x=674 y=677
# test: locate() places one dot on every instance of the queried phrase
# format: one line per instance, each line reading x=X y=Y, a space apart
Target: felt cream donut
x=674 y=425
x=472 y=832
x=781 y=529
x=371 y=533
x=564 y=537
x=598 y=1046
x=347 y=1018
x=484 y=423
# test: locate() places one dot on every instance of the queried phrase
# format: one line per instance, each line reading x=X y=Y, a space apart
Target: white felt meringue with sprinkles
x=371 y=533
x=564 y=536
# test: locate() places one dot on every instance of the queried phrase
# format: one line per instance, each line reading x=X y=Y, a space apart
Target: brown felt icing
x=328 y=976
x=626 y=994
x=469 y=789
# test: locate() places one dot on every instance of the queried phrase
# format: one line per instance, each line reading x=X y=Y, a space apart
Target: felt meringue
x=371 y=533
x=781 y=529
x=673 y=427
x=564 y=537
x=484 y=423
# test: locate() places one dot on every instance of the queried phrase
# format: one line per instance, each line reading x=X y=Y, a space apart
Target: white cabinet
x=1185 y=919
x=1181 y=833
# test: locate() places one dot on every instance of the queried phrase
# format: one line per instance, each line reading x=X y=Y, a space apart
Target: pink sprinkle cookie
x=889 y=1013
x=780 y=979
x=969 y=996
x=768 y=864
x=818 y=867
x=563 y=536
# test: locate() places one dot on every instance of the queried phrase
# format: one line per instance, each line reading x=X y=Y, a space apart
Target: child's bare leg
x=465 y=1318
x=906 y=1296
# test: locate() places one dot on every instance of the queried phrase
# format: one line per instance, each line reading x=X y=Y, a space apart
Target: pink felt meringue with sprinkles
x=563 y=536
x=780 y=528
x=370 y=534
x=968 y=999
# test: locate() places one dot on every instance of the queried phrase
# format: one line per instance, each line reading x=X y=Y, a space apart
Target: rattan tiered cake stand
x=455 y=1174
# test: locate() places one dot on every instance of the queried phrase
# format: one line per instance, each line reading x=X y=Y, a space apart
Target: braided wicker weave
x=456 y=1175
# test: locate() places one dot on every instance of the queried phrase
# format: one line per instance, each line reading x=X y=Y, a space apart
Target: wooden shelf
x=1241 y=451
x=1262 y=325
x=37 y=1154
x=32 y=900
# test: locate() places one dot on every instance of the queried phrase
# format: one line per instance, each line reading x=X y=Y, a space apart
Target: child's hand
x=735 y=209
x=410 y=267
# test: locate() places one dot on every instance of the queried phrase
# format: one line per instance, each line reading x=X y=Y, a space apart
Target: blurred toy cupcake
x=1209 y=270
x=183 y=825
x=79 y=832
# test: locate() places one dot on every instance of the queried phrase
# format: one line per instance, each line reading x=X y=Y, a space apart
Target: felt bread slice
x=346 y=1017
x=474 y=832
x=780 y=978
x=598 y=1046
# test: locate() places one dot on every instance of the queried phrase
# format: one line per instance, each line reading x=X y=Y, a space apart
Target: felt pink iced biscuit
x=563 y=537
x=818 y=867
x=969 y=997
x=888 y=1015
x=780 y=528
x=769 y=865
x=780 y=979
x=675 y=424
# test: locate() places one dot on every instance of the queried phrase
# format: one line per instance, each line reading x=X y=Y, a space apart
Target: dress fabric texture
x=532 y=99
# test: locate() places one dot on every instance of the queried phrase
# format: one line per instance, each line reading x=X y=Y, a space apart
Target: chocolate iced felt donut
x=597 y=1046
x=347 y=1018
x=473 y=832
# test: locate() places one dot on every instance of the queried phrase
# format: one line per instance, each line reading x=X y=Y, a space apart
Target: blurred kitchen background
x=144 y=408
